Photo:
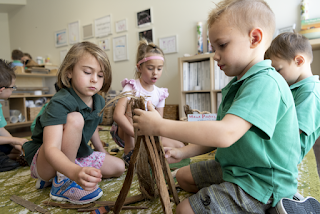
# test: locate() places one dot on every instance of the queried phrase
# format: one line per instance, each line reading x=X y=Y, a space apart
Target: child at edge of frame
x=59 y=152
x=291 y=55
x=258 y=146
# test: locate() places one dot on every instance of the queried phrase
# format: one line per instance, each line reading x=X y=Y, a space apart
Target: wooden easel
x=159 y=166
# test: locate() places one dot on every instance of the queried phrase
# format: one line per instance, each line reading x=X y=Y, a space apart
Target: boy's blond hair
x=145 y=48
x=74 y=55
x=246 y=15
x=288 y=45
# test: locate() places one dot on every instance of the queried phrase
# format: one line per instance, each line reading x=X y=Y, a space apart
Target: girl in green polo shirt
x=59 y=148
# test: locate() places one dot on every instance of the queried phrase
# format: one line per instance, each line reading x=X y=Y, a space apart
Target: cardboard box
x=5 y=109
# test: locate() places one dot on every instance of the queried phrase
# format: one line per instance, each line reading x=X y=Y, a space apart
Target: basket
x=171 y=112
x=33 y=113
x=107 y=119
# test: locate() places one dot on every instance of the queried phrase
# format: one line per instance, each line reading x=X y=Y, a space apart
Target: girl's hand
x=88 y=177
x=147 y=122
x=173 y=155
x=18 y=141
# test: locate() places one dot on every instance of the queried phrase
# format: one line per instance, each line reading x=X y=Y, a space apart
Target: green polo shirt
x=306 y=95
x=263 y=162
x=62 y=103
x=3 y=121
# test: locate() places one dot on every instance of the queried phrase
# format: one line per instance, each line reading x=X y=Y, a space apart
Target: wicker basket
x=171 y=112
x=107 y=119
x=33 y=113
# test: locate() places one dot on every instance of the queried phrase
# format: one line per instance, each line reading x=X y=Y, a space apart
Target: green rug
x=18 y=182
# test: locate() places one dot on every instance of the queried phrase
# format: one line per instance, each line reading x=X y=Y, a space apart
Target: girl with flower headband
x=149 y=67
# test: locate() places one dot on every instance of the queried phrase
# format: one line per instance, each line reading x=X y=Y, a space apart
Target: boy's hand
x=147 y=122
x=88 y=177
x=18 y=141
x=173 y=155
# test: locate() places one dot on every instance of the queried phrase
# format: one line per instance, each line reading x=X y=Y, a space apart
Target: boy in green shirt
x=255 y=132
x=10 y=147
x=291 y=55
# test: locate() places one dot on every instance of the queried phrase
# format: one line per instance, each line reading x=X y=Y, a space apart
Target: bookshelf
x=203 y=85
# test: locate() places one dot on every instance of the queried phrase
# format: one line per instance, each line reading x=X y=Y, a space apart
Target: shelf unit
x=17 y=101
x=315 y=43
x=211 y=91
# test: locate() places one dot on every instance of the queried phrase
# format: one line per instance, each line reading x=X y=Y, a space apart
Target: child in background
x=59 y=148
x=149 y=68
x=26 y=59
x=291 y=55
x=255 y=132
x=16 y=56
x=10 y=147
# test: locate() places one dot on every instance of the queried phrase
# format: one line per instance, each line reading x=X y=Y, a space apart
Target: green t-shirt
x=306 y=95
x=263 y=162
x=3 y=121
x=62 y=103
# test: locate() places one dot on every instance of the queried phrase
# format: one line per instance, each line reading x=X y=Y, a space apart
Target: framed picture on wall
x=147 y=34
x=120 y=48
x=102 y=26
x=63 y=54
x=144 y=18
x=169 y=44
x=104 y=44
x=74 y=34
x=87 y=31
x=121 y=25
x=60 y=38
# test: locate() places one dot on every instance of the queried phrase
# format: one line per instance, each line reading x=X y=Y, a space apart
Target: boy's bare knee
x=184 y=207
x=75 y=119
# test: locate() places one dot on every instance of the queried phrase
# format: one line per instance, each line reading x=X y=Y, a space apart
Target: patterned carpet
x=18 y=182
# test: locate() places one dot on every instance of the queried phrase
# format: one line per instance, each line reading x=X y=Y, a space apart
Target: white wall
x=32 y=28
x=5 y=52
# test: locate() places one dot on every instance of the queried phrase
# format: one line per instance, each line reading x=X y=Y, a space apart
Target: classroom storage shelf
x=213 y=98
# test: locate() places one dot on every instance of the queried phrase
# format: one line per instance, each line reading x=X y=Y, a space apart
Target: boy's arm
x=6 y=138
x=120 y=117
x=96 y=141
x=206 y=133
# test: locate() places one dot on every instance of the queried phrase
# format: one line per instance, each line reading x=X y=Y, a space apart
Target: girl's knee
x=120 y=168
x=75 y=119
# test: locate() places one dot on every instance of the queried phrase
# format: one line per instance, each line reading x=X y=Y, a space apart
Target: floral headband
x=149 y=58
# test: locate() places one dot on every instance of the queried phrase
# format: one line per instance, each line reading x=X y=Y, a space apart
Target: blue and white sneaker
x=309 y=205
x=43 y=184
x=68 y=190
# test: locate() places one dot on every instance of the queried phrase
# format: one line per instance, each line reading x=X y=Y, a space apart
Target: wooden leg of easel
x=157 y=170
x=166 y=170
x=128 y=180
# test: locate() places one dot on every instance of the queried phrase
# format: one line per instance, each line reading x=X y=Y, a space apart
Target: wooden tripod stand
x=159 y=166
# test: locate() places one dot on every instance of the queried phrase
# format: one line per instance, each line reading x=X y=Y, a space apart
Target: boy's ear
x=299 y=60
x=1 y=89
x=256 y=36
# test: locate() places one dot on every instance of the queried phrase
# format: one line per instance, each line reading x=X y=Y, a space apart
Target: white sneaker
x=309 y=205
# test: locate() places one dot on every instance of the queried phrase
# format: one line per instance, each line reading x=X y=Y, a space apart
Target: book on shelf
x=196 y=75
x=199 y=101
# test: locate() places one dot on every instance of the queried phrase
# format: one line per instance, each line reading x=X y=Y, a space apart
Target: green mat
x=18 y=182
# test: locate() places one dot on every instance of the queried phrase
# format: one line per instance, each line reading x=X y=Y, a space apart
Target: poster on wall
x=144 y=18
x=102 y=26
x=74 y=35
x=147 y=34
x=120 y=48
x=87 y=31
x=168 y=44
x=63 y=54
x=121 y=25
x=104 y=44
x=60 y=38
